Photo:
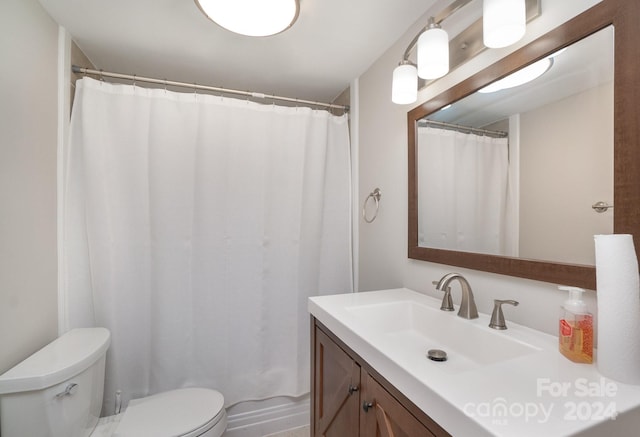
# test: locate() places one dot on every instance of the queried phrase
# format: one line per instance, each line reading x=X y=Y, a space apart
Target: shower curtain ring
x=134 y=80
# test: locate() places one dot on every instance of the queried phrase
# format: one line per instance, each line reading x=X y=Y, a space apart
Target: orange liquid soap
x=575 y=330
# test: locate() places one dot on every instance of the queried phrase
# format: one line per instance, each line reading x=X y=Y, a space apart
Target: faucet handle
x=447 y=302
x=497 y=317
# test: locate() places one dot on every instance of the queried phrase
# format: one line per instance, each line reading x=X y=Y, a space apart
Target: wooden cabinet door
x=384 y=416
x=336 y=390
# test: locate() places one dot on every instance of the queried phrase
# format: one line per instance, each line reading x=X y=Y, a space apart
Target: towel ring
x=375 y=195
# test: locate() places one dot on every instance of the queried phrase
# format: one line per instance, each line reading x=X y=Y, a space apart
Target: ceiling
x=331 y=43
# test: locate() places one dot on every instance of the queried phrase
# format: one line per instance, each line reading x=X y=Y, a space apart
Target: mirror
x=515 y=171
x=527 y=210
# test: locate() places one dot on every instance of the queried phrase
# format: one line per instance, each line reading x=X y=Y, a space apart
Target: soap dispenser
x=576 y=328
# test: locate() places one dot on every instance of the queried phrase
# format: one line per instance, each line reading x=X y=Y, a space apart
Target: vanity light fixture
x=404 y=88
x=433 y=51
x=503 y=24
x=251 y=17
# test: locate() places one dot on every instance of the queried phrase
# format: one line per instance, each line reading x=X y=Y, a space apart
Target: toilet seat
x=187 y=412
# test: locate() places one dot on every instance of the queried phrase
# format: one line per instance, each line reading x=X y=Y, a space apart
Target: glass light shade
x=433 y=53
x=251 y=17
x=520 y=77
x=404 y=88
x=504 y=22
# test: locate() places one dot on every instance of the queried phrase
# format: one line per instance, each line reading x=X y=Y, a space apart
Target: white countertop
x=540 y=393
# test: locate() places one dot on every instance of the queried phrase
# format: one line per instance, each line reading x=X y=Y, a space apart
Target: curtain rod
x=135 y=78
x=466 y=129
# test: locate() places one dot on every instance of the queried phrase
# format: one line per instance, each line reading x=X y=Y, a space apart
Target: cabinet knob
x=353 y=389
x=366 y=405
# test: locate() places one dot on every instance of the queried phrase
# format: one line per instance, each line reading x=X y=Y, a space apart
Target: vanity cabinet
x=350 y=399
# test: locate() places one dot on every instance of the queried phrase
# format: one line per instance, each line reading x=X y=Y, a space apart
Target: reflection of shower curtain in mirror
x=464 y=200
x=195 y=229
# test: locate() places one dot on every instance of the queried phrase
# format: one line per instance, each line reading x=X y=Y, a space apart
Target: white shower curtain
x=195 y=227
x=464 y=198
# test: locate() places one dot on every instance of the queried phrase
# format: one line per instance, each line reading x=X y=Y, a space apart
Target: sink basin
x=408 y=329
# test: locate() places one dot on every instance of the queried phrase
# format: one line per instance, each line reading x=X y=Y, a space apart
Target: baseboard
x=268 y=420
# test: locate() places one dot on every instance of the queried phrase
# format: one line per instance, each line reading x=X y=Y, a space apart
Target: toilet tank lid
x=65 y=357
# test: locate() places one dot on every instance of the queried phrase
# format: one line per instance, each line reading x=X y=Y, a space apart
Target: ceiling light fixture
x=503 y=24
x=520 y=77
x=251 y=17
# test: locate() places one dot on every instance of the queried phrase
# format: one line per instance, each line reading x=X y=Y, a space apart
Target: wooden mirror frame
x=624 y=15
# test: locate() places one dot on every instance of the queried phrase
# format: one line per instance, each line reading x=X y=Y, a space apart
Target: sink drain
x=436 y=355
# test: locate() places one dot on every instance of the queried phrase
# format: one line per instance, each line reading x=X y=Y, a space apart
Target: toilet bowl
x=187 y=412
x=57 y=392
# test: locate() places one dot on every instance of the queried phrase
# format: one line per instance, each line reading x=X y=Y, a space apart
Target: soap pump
x=576 y=328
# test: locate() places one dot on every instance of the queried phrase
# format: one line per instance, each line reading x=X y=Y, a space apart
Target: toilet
x=57 y=392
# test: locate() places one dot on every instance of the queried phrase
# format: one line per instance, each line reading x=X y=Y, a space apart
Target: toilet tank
x=57 y=391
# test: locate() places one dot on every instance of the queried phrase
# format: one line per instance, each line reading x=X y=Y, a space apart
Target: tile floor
x=296 y=432
x=107 y=425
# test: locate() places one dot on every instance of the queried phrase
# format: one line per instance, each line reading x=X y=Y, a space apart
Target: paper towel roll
x=618 y=296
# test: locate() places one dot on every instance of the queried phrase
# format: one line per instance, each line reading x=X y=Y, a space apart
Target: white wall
x=383 y=261
x=565 y=167
x=28 y=129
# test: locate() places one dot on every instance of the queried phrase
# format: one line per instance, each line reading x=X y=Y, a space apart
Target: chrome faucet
x=468 y=308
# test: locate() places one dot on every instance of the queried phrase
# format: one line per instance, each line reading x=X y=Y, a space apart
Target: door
x=336 y=391
x=383 y=416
